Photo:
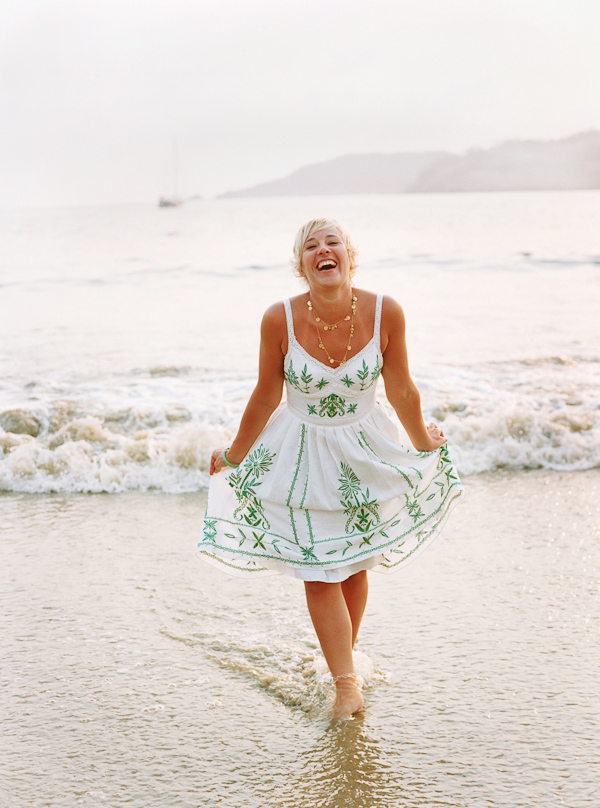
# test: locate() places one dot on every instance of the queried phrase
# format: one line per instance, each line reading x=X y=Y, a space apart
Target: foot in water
x=348 y=700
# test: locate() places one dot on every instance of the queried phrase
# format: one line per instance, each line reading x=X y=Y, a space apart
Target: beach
x=135 y=674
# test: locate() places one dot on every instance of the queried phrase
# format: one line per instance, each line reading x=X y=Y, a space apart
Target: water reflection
x=349 y=767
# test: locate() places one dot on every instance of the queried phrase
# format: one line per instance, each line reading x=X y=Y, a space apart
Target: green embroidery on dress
x=312 y=409
x=348 y=381
x=362 y=512
x=233 y=536
x=308 y=552
x=368 y=379
x=376 y=370
x=416 y=528
x=352 y=408
x=306 y=478
x=414 y=507
x=306 y=379
x=332 y=405
x=445 y=464
x=293 y=524
x=210 y=529
x=244 y=481
x=291 y=377
x=363 y=375
x=298 y=460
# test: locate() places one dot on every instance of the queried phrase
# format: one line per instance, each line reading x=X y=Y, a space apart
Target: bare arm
x=400 y=389
x=267 y=393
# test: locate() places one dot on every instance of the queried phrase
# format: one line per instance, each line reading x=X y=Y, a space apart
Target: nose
x=324 y=248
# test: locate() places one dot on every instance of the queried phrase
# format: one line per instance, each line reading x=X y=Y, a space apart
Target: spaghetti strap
x=289 y=320
x=377 y=325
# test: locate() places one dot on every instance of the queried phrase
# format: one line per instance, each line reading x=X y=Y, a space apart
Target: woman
x=319 y=487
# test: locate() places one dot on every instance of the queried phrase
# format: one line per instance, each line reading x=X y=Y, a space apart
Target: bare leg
x=355 y=590
x=333 y=624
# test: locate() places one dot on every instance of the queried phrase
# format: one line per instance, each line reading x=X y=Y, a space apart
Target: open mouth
x=326 y=265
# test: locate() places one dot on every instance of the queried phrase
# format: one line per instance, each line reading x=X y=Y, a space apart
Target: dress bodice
x=320 y=394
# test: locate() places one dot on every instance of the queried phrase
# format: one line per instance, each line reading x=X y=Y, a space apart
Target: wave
x=528 y=414
x=541 y=413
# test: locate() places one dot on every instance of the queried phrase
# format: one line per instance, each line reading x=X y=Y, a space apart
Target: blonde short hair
x=314 y=226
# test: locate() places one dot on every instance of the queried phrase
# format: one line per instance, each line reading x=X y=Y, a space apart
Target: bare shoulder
x=392 y=324
x=273 y=329
x=392 y=315
x=274 y=316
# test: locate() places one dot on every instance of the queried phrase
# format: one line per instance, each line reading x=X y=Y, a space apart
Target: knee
x=317 y=588
x=357 y=581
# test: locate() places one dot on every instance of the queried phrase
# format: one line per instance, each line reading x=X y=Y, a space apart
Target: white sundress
x=327 y=489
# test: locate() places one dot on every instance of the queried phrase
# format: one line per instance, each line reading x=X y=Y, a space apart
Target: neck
x=330 y=302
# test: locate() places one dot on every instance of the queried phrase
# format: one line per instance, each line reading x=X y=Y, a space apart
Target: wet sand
x=134 y=674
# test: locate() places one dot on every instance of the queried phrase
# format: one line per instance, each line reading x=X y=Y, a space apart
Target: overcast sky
x=93 y=95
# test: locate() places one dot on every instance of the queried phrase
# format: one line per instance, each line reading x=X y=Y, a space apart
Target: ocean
x=134 y=674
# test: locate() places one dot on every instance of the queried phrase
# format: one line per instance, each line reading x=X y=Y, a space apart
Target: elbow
x=268 y=400
x=404 y=394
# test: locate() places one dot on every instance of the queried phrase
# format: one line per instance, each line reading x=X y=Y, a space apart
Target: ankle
x=346 y=681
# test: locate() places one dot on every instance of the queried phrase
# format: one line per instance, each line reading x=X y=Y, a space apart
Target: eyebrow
x=331 y=235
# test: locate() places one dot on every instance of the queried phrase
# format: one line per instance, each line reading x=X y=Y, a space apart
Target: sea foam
x=513 y=415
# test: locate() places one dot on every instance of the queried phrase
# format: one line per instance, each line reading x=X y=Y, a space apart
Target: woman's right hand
x=217 y=463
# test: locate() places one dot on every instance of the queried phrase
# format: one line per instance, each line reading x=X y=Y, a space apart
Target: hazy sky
x=93 y=95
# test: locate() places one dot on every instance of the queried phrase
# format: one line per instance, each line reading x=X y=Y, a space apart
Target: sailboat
x=169 y=202
x=172 y=200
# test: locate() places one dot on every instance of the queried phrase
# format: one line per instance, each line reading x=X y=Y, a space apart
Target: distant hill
x=572 y=163
x=352 y=174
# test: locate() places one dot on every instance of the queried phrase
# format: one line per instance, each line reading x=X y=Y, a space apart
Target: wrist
x=227 y=460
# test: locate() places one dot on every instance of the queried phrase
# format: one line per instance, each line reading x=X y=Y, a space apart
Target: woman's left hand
x=435 y=439
x=436 y=435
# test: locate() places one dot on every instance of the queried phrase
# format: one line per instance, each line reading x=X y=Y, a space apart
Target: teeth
x=324 y=264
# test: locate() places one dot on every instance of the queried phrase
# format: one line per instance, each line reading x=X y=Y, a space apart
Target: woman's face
x=325 y=260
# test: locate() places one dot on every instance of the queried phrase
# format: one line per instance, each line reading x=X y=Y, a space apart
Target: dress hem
x=378 y=562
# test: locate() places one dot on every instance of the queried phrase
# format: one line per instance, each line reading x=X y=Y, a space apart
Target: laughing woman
x=319 y=486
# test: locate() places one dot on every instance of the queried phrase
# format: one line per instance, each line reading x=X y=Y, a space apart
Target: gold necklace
x=326 y=326
x=331 y=327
